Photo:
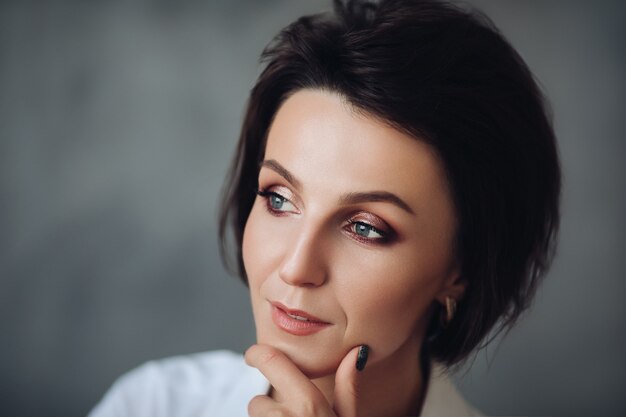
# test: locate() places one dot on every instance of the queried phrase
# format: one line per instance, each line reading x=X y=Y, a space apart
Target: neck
x=393 y=386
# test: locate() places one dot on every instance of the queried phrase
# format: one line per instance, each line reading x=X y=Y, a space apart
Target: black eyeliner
x=386 y=237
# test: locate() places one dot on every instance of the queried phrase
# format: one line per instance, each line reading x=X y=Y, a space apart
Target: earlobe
x=451 y=293
x=448 y=312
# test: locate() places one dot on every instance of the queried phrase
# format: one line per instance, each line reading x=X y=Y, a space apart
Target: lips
x=296 y=322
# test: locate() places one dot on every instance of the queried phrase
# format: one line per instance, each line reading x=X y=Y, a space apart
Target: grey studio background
x=117 y=123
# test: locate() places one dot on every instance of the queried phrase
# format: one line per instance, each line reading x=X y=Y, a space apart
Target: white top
x=220 y=384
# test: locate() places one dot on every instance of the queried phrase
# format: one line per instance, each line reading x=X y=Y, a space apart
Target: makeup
x=296 y=322
x=348 y=265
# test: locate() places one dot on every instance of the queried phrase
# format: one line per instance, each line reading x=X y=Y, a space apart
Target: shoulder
x=182 y=385
x=443 y=399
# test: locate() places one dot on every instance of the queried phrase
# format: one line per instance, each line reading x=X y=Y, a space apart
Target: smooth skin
x=355 y=225
x=300 y=397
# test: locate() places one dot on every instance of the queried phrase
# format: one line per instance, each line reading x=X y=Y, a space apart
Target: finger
x=346 y=396
x=261 y=405
x=281 y=372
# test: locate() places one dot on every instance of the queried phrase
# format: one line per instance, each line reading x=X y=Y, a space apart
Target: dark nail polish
x=361 y=358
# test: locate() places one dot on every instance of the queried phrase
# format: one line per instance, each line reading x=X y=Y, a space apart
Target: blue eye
x=276 y=203
x=367 y=230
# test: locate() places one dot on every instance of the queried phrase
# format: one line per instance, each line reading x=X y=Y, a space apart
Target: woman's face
x=354 y=228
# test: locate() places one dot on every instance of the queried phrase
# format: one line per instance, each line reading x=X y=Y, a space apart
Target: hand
x=300 y=397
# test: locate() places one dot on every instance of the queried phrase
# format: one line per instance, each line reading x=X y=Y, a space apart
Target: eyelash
x=386 y=237
x=266 y=195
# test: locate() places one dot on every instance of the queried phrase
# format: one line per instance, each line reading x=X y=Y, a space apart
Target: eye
x=276 y=203
x=366 y=231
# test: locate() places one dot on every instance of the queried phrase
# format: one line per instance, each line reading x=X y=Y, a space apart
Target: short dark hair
x=445 y=75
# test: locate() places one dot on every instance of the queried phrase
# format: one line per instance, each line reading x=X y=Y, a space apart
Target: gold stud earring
x=450 y=311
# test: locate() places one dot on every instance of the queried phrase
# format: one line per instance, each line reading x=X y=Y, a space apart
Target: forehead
x=323 y=141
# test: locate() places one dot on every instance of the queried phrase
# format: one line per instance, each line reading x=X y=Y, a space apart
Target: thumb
x=346 y=396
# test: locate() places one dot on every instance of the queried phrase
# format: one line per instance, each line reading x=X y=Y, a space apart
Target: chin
x=312 y=364
x=308 y=357
x=316 y=370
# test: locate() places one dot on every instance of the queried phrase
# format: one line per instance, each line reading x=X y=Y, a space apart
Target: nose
x=304 y=262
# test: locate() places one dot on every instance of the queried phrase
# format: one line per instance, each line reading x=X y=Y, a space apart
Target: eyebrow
x=375 y=196
x=282 y=171
x=346 y=199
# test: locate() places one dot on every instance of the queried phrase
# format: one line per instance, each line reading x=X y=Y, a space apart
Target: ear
x=453 y=285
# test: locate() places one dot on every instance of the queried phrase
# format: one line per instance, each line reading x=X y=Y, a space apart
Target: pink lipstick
x=296 y=322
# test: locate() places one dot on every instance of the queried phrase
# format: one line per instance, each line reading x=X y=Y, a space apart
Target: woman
x=394 y=200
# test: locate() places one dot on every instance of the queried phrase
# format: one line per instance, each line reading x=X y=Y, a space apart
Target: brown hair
x=446 y=76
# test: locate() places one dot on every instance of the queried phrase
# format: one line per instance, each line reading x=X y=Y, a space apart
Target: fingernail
x=361 y=358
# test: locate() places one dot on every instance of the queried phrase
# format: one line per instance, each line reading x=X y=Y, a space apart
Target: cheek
x=254 y=240
x=386 y=304
x=266 y=241
x=263 y=245
x=254 y=259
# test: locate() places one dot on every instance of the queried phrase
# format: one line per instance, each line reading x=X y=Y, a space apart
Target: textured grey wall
x=117 y=121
